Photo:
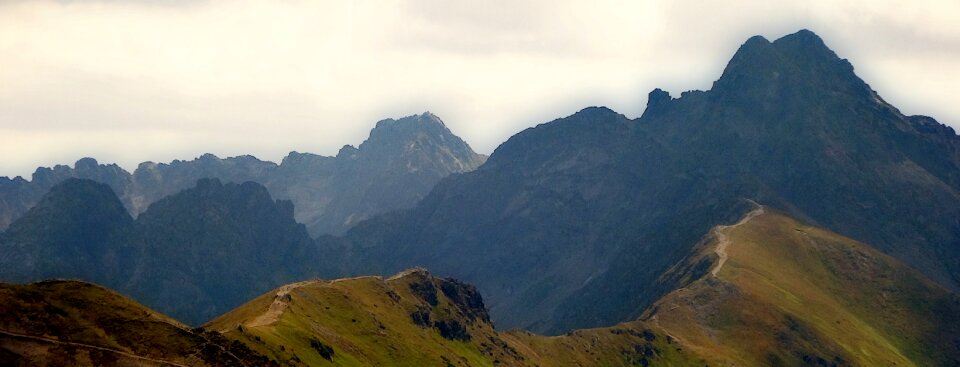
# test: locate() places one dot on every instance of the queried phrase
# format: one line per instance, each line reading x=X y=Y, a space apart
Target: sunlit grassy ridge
x=375 y=321
x=793 y=294
x=788 y=294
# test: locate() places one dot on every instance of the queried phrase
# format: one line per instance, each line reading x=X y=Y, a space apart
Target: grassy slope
x=788 y=294
x=365 y=326
x=792 y=294
x=76 y=323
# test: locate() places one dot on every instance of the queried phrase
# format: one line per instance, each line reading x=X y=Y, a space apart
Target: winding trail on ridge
x=280 y=302
x=720 y=232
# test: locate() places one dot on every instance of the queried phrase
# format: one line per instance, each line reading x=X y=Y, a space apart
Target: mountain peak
x=348 y=151
x=428 y=116
x=757 y=40
x=803 y=36
x=806 y=46
x=414 y=135
x=424 y=120
x=86 y=163
x=656 y=101
x=799 y=62
x=68 y=228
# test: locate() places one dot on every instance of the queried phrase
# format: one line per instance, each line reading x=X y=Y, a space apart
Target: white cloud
x=133 y=81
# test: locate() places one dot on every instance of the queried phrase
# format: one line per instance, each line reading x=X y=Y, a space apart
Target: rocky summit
x=574 y=223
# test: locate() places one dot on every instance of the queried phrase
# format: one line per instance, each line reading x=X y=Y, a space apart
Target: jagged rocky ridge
x=576 y=223
x=396 y=166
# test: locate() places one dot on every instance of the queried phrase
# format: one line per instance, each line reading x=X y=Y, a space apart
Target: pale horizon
x=127 y=82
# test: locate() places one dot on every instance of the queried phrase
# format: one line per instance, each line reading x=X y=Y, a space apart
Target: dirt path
x=720 y=232
x=88 y=346
x=355 y=278
x=656 y=322
x=280 y=302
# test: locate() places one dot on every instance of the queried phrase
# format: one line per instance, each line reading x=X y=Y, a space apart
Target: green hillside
x=72 y=323
x=789 y=294
x=414 y=319
x=766 y=291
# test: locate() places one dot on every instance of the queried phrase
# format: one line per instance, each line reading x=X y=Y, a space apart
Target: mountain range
x=574 y=223
x=192 y=255
x=787 y=216
x=396 y=166
x=777 y=292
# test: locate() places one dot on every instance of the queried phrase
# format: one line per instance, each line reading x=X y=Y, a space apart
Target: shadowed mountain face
x=19 y=195
x=192 y=255
x=395 y=167
x=575 y=223
x=212 y=247
x=78 y=229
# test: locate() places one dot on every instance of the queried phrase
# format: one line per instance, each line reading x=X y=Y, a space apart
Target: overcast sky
x=131 y=81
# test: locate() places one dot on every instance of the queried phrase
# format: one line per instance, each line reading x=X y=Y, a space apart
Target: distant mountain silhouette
x=397 y=165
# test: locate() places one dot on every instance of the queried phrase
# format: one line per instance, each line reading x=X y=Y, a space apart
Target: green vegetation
x=71 y=323
x=364 y=321
x=786 y=294
x=791 y=294
x=374 y=321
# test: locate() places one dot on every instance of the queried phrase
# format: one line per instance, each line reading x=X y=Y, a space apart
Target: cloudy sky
x=130 y=81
